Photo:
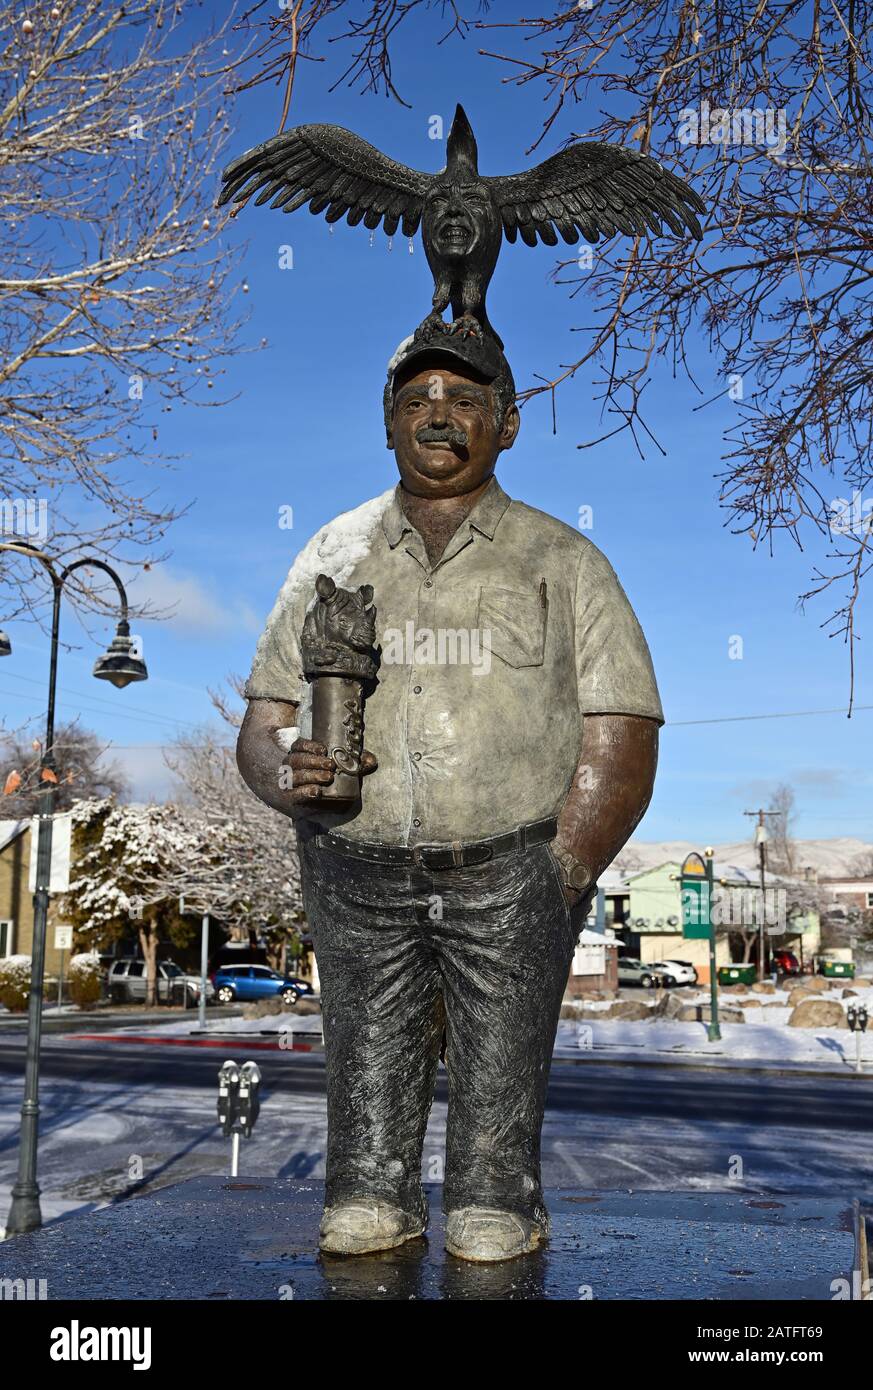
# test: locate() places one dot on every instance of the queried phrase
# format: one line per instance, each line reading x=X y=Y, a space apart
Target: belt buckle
x=421 y=856
x=451 y=856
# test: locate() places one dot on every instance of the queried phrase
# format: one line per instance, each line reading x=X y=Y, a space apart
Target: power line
x=125 y=746
x=94 y=699
x=160 y=721
x=740 y=718
x=98 y=705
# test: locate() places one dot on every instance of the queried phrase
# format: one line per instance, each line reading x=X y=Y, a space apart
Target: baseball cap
x=479 y=351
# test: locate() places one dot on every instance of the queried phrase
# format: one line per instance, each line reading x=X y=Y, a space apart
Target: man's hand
x=264 y=761
x=311 y=770
x=575 y=876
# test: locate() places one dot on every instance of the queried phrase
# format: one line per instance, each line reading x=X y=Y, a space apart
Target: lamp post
x=120 y=665
x=713 y=1031
x=696 y=887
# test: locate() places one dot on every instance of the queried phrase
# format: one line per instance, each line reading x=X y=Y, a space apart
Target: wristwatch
x=573 y=871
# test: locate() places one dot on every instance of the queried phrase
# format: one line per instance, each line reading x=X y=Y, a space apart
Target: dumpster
x=736 y=974
x=838 y=969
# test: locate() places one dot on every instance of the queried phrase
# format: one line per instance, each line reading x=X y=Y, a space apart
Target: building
x=645 y=911
x=594 y=965
x=16 y=906
x=856 y=891
x=16 y=897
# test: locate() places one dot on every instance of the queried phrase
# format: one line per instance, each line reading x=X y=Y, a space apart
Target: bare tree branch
x=118 y=297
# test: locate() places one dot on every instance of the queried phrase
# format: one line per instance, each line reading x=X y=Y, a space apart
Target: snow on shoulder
x=335 y=550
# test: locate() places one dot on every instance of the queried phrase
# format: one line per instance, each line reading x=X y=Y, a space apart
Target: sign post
x=695 y=878
x=63 y=942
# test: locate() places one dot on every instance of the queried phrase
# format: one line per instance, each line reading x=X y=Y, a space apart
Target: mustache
x=429 y=435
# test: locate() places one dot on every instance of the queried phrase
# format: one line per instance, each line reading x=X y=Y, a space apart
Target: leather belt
x=457 y=854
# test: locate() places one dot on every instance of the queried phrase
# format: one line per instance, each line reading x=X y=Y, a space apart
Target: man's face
x=444 y=434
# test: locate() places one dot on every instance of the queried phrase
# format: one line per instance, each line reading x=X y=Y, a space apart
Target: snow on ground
x=763 y=1038
x=830 y=1048
x=271 y=1023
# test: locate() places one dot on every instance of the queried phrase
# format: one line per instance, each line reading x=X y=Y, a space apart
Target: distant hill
x=829 y=857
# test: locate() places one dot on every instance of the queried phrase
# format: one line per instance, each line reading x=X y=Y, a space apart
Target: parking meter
x=238 y=1104
x=249 y=1097
x=856 y=1017
x=228 y=1097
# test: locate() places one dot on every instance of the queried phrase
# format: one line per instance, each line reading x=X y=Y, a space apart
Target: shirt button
x=417 y=824
x=417 y=757
x=428 y=583
x=416 y=690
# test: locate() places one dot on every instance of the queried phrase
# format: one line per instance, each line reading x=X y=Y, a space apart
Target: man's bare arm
x=611 y=789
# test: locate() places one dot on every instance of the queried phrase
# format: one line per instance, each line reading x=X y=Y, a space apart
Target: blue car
x=251 y=982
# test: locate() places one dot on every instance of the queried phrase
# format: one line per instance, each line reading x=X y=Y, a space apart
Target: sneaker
x=362 y=1224
x=484 y=1235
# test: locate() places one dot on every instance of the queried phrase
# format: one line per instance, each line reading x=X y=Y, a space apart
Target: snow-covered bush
x=85 y=980
x=15 y=983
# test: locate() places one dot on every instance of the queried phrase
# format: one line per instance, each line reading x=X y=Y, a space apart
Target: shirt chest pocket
x=513 y=623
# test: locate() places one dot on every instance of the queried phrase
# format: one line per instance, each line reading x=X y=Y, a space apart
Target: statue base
x=257 y=1238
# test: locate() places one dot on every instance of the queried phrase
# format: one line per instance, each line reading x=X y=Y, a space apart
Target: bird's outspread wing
x=597 y=190
x=333 y=170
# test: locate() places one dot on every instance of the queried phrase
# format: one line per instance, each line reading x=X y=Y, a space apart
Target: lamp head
x=5 y=645
x=119 y=664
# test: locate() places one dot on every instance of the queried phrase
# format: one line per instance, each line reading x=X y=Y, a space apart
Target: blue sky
x=305 y=431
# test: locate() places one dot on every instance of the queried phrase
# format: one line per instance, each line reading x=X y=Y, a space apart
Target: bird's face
x=459 y=219
x=444 y=433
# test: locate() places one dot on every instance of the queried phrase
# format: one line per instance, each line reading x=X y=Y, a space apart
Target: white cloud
x=192 y=606
x=148 y=776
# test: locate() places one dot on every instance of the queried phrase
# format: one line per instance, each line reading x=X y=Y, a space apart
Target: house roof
x=613 y=881
x=10 y=830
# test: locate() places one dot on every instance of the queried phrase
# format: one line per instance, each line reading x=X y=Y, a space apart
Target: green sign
x=694 y=883
x=695 y=909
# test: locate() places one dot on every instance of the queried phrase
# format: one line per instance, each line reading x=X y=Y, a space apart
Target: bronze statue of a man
x=511 y=742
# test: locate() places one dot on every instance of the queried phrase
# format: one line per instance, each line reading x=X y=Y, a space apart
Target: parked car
x=633 y=972
x=249 y=982
x=786 y=962
x=678 y=972
x=127 y=983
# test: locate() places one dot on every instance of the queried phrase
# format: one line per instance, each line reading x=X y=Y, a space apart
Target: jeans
x=482 y=953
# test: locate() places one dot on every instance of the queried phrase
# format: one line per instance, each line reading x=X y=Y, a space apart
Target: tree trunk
x=748 y=940
x=148 y=940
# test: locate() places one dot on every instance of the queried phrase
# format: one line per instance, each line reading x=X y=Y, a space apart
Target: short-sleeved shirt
x=490 y=661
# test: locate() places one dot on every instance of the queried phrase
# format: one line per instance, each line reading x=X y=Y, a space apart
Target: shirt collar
x=484 y=517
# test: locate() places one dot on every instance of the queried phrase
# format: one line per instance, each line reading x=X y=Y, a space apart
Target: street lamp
x=120 y=665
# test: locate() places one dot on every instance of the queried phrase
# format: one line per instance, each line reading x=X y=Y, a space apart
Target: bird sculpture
x=589 y=188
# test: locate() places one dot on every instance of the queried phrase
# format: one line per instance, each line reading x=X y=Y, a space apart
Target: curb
x=703 y=1063
x=699 y=1062
x=154 y=1039
x=75 y=1023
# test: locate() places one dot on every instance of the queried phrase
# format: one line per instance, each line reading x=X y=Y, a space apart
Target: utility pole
x=713 y=1031
x=761 y=842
